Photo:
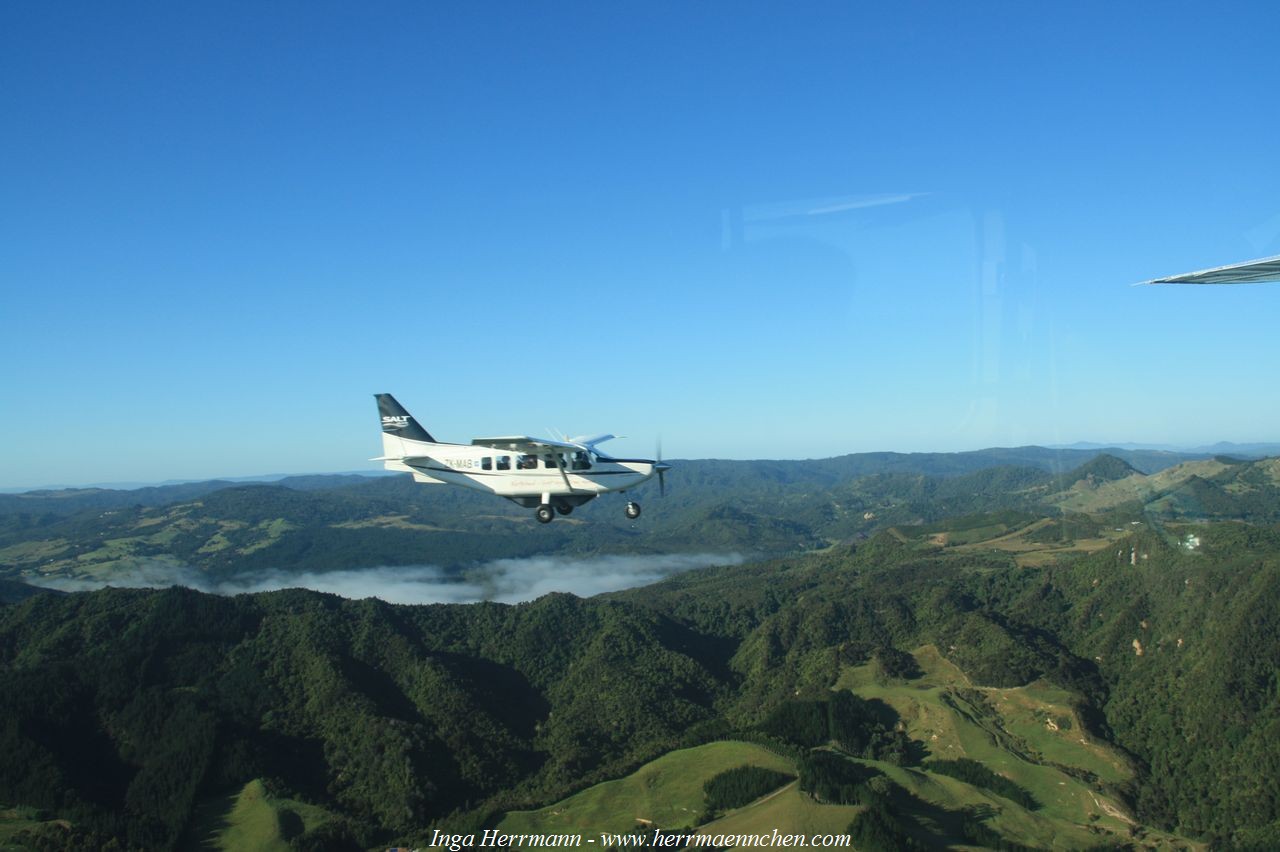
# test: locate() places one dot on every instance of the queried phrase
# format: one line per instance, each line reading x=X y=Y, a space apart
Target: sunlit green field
x=253 y=821
x=666 y=792
x=1030 y=735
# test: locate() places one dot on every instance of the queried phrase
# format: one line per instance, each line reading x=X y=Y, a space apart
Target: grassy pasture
x=252 y=821
x=16 y=820
x=666 y=792
x=1018 y=540
x=1030 y=735
x=789 y=811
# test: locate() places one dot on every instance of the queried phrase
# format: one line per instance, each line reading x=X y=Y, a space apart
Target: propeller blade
x=661 y=468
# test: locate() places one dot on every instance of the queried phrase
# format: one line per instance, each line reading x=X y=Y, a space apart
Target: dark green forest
x=739 y=786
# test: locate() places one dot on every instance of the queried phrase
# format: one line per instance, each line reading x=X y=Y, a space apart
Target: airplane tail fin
x=398 y=426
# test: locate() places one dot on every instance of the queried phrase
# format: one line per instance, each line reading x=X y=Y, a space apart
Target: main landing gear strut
x=546 y=512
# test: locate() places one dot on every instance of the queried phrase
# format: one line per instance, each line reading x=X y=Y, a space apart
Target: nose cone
x=662 y=467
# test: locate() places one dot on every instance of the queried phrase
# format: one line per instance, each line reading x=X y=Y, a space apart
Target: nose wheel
x=633 y=510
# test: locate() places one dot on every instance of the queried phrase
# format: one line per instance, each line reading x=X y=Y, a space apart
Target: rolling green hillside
x=1212 y=489
x=1030 y=737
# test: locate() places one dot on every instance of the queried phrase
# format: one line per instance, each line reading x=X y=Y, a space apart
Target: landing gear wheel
x=544 y=514
x=633 y=510
x=564 y=508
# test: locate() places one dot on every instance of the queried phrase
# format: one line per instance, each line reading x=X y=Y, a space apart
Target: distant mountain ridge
x=1147 y=457
x=1255 y=449
x=780 y=470
x=238 y=480
x=223 y=530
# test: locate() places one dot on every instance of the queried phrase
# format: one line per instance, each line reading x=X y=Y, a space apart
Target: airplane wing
x=592 y=440
x=523 y=444
x=1250 y=272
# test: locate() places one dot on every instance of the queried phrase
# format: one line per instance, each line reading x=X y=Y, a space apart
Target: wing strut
x=559 y=457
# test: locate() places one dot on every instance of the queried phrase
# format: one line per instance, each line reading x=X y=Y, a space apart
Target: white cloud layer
x=504 y=580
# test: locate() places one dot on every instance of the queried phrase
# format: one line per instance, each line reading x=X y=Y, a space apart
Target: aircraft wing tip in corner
x=1261 y=271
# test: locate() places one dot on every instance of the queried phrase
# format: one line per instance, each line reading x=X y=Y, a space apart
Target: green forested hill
x=1102 y=468
x=128 y=712
x=124 y=708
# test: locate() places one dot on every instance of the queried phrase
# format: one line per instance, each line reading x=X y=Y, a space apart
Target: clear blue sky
x=763 y=230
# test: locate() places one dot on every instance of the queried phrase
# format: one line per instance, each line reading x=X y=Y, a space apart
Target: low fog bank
x=504 y=580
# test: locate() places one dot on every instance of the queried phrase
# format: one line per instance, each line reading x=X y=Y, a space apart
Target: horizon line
x=1078 y=446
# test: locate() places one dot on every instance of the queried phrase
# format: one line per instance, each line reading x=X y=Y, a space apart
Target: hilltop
x=1102 y=468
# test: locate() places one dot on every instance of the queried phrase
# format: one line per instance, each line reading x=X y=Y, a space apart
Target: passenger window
x=526 y=462
x=486 y=463
x=550 y=461
x=581 y=461
x=504 y=462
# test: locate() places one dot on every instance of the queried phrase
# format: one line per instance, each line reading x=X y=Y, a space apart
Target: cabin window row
x=578 y=461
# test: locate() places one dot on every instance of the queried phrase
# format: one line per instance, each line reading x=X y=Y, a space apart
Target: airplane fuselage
x=527 y=478
x=551 y=476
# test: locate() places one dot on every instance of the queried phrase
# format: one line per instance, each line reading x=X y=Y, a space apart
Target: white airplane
x=551 y=476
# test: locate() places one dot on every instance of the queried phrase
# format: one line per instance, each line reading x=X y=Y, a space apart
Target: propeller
x=662 y=469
